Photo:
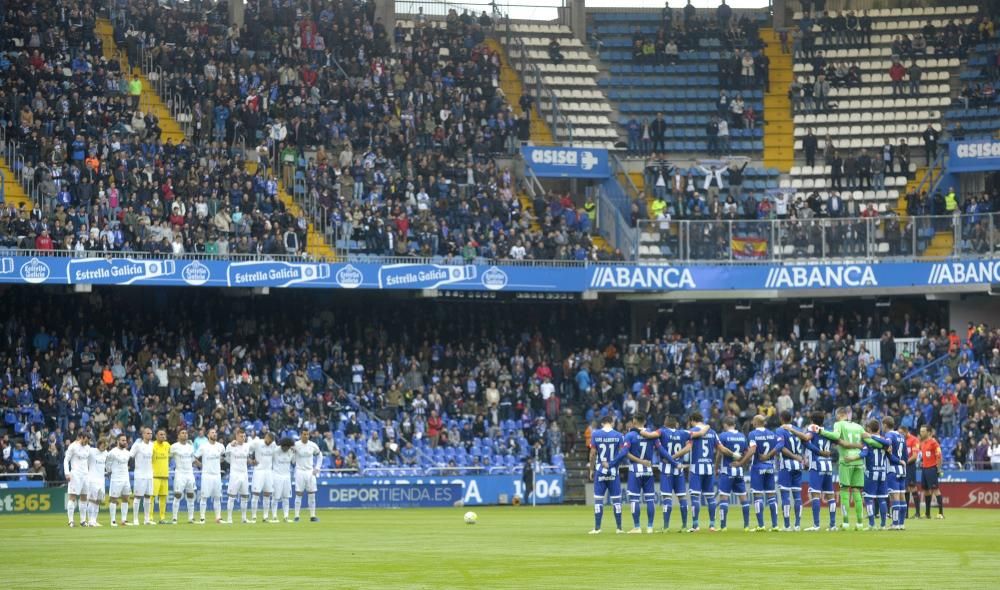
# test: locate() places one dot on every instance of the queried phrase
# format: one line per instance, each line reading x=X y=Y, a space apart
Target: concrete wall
x=973 y=308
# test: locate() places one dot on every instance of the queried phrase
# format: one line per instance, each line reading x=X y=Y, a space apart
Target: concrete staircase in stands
x=577 y=472
x=13 y=192
x=779 y=140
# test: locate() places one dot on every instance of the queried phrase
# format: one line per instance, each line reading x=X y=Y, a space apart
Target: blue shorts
x=609 y=485
x=820 y=482
x=790 y=480
x=762 y=481
x=894 y=483
x=673 y=483
x=640 y=484
x=876 y=488
x=732 y=484
x=702 y=484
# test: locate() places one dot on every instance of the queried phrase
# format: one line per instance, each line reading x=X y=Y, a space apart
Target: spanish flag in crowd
x=749 y=248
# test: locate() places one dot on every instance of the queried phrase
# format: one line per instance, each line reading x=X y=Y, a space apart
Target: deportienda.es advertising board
x=920 y=277
x=448 y=490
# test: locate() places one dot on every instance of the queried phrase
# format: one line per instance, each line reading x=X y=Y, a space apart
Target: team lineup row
x=877 y=464
x=86 y=467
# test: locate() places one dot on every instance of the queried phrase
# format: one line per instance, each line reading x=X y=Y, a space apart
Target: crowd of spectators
x=106 y=181
x=399 y=386
x=742 y=64
x=391 y=133
x=766 y=373
x=415 y=375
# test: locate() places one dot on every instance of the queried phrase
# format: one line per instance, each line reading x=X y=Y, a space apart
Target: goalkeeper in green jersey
x=849 y=436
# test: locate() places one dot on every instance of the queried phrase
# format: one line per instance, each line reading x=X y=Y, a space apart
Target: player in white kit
x=75 y=466
x=97 y=464
x=238 y=455
x=263 y=450
x=308 y=460
x=182 y=452
x=282 y=478
x=209 y=456
x=120 y=489
x=142 y=453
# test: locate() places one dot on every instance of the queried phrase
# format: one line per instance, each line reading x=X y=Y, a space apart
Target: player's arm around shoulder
x=700 y=431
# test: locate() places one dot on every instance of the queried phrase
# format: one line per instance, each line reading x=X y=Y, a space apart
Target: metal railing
x=532 y=183
x=21 y=168
x=559 y=123
x=816 y=240
x=935 y=171
x=613 y=212
x=618 y=171
x=139 y=255
x=871 y=345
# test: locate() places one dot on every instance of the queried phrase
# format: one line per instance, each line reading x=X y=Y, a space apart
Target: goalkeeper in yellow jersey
x=161 y=472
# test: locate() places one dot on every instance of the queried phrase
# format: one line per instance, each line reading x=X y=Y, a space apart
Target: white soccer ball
x=471 y=517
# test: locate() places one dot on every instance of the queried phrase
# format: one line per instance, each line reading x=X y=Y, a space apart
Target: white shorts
x=238 y=485
x=263 y=482
x=143 y=486
x=184 y=483
x=95 y=490
x=282 y=487
x=120 y=488
x=305 y=481
x=78 y=485
x=211 y=486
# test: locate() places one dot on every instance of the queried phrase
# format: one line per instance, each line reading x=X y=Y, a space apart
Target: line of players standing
x=873 y=469
x=87 y=466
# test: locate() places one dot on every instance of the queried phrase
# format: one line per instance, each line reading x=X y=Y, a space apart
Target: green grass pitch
x=544 y=547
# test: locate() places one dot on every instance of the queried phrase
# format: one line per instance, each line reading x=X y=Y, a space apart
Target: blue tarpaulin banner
x=974 y=155
x=559 y=162
x=623 y=277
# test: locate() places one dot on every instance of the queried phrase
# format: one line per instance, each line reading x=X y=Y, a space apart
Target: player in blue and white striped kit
x=897 y=473
x=605 y=447
x=790 y=471
x=877 y=458
x=641 y=485
x=820 y=457
x=670 y=445
x=731 y=478
x=763 y=445
x=701 y=483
